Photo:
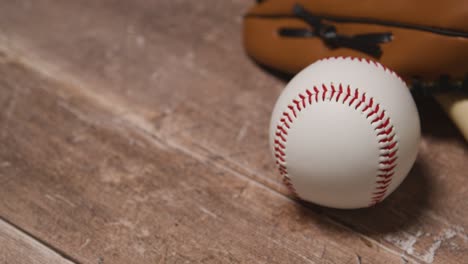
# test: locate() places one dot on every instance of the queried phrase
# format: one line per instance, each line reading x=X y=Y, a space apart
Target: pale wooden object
x=456 y=106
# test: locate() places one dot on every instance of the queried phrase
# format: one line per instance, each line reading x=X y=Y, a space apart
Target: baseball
x=345 y=133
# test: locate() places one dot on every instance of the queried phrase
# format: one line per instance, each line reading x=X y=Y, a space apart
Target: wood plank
x=19 y=248
x=88 y=182
x=182 y=77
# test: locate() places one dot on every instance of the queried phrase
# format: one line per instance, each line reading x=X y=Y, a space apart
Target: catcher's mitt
x=419 y=39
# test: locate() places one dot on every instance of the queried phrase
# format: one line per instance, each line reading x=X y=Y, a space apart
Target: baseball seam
x=385 y=132
x=368 y=61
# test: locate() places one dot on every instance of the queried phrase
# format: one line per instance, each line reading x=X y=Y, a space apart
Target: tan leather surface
x=410 y=53
x=450 y=14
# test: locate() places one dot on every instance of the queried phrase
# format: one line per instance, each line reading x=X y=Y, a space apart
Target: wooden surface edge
x=17 y=246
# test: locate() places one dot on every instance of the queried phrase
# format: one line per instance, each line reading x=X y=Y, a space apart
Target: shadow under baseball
x=400 y=211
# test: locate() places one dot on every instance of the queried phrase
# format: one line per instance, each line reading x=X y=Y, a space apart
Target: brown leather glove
x=419 y=39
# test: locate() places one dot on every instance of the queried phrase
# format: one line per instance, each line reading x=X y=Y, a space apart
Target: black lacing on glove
x=443 y=85
x=366 y=43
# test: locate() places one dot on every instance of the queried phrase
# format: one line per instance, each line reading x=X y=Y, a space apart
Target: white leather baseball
x=345 y=133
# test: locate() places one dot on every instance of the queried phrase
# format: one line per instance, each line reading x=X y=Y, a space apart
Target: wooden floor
x=136 y=132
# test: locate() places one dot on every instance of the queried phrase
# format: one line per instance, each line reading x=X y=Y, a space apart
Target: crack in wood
x=66 y=258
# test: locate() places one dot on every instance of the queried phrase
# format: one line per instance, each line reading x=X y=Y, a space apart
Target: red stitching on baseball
x=382 y=186
x=284 y=122
x=384 y=123
x=302 y=100
x=278 y=156
x=389 y=155
x=390 y=146
x=388 y=162
x=316 y=93
x=384 y=181
x=280 y=136
x=382 y=192
x=356 y=95
x=385 y=132
x=387 y=139
x=363 y=99
x=309 y=95
x=297 y=103
x=348 y=94
x=287 y=115
x=282 y=129
x=368 y=61
x=385 y=176
x=278 y=150
x=333 y=90
x=377 y=118
x=324 y=88
x=387 y=170
x=339 y=93
x=277 y=143
x=374 y=111
x=292 y=109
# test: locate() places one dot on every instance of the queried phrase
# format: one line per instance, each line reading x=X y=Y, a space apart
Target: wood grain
x=88 y=182
x=18 y=248
x=181 y=79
